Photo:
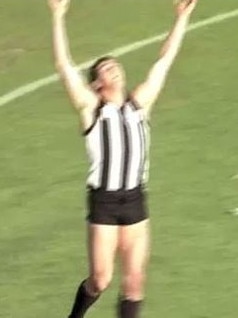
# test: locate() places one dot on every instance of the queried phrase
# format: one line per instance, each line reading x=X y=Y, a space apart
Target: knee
x=134 y=282
x=101 y=281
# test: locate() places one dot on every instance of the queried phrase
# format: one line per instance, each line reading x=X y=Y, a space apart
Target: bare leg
x=134 y=251
x=102 y=245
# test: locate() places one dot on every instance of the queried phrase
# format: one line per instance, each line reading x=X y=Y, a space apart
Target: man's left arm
x=147 y=92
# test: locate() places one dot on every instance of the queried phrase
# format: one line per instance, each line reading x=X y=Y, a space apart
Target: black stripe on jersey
x=126 y=149
x=143 y=151
x=139 y=127
x=106 y=152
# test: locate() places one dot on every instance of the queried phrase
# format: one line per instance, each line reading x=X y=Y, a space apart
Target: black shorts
x=122 y=207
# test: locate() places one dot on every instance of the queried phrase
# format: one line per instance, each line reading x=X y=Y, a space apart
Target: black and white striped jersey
x=117 y=145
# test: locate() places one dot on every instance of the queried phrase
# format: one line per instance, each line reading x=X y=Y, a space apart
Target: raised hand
x=185 y=7
x=59 y=6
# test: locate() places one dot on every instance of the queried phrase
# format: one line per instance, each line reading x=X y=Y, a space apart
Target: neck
x=115 y=96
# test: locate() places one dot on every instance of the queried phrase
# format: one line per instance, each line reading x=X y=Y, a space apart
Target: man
x=116 y=138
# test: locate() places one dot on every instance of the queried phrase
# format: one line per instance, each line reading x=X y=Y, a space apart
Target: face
x=111 y=74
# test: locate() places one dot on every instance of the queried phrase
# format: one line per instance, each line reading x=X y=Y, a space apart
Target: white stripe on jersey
x=116 y=146
x=136 y=148
x=94 y=147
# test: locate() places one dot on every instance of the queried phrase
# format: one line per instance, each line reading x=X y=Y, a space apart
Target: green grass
x=193 y=270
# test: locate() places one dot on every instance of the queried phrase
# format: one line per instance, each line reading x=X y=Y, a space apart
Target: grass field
x=194 y=160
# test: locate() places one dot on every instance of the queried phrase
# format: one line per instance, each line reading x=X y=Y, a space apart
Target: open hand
x=59 y=6
x=185 y=7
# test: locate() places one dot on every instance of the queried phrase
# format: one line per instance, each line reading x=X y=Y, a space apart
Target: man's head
x=106 y=72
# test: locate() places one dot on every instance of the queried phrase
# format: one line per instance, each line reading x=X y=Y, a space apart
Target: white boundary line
x=31 y=87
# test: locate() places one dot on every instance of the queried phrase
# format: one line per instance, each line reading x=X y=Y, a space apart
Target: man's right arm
x=79 y=91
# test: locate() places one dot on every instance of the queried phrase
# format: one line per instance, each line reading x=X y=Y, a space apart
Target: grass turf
x=193 y=270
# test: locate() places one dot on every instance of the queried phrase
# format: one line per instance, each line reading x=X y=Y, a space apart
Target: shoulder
x=94 y=116
x=136 y=107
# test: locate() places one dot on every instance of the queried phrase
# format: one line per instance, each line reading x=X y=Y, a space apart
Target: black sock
x=128 y=308
x=82 y=302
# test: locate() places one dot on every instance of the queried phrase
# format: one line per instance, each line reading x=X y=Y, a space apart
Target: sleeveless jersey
x=117 y=145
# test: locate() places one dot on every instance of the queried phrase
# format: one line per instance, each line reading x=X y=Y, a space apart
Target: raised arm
x=80 y=93
x=147 y=92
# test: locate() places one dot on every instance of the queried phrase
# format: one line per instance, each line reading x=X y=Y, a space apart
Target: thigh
x=134 y=246
x=102 y=246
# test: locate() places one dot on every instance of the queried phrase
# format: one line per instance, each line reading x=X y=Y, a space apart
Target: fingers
x=185 y=3
x=191 y=3
x=185 y=7
x=59 y=5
